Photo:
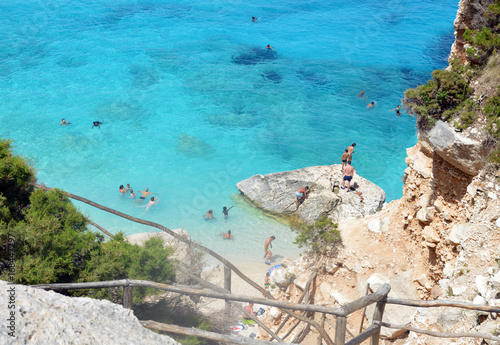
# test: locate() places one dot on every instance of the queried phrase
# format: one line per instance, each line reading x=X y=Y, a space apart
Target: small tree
x=322 y=237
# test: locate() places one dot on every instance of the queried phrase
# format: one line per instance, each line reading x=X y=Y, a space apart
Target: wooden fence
x=372 y=332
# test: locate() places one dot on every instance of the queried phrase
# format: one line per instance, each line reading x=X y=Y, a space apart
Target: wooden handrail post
x=340 y=327
x=227 y=286
x=128 y=296
x=377 y=316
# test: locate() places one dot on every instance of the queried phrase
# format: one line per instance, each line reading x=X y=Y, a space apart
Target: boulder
x=449 y=318
x=340 y=298
x=459 y=233
x=401 y=287
x=275 y=194
x=431 y=235
x=482 y=285
x=47 y=318
x=464 y=153
x=281 y=278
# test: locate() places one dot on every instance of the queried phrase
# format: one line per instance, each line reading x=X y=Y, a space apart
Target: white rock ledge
x=275 y=194
x=47 y=318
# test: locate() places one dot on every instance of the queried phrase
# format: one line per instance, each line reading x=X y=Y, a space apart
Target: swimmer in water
x=269 y=47
x=254 y=19
x=97 y=124
x=371 y=105
x=227 y=236
x=225 y=210
x=122 y=189
x=143 y=196
x=362 y=94
x=152 y=202
x=132 y=194
x=64 y=123
x=397 y=110
x=209 y=215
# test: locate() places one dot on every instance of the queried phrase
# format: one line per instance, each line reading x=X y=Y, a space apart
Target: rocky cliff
x=441 y=240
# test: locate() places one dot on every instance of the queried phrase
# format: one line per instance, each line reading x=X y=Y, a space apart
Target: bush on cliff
x=321 y=237
x=44 y=238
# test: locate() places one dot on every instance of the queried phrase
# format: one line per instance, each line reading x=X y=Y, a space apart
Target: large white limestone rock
x=464 y=153
x=275 y=194
x=48 y=318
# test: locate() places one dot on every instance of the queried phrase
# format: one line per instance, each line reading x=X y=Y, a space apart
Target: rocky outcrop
x=463 y=152
x=46 y=317
x=275 y=194
x=181 y=250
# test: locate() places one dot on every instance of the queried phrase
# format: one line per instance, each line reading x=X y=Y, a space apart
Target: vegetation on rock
x=322 y=237
x=449 y=97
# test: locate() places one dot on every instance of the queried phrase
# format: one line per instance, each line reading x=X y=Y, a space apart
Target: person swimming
x=97 y=124
x=269 y=47
x=64 y=123
x=362 y=94
x=371 y=105
x=209 y=215
x=254 y=19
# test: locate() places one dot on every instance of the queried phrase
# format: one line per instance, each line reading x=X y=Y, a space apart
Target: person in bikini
x=225 y=211
x=344 y=159
x=267 y=252
x=350 y=151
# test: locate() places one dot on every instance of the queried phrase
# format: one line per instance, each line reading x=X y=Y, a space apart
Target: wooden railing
x=372 y=332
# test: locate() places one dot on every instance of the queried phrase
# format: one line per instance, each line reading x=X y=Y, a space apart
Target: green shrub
x=440 y=98
x=46 y=238
x=322 y=237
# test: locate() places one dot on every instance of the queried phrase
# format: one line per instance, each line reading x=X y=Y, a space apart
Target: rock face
x=275 y=194
x=45 y=317
x=465 y=154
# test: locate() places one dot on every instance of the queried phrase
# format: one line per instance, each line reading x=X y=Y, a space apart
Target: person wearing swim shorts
x=267 y=252
x=348 y=175
x=301 y=195
x=344 y=159
x=267 y=280
x=144 y=194
x=249 y=309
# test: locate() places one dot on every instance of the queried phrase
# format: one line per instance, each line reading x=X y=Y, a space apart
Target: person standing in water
x=267 y=252
x=225 y=211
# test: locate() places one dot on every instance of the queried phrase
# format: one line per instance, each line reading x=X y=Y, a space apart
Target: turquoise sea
x=192 y=102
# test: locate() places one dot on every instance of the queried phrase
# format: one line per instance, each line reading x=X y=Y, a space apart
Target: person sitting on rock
x=301 y=195
x=249 y=308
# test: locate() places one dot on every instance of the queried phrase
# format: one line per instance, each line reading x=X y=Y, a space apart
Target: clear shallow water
x=154 y=70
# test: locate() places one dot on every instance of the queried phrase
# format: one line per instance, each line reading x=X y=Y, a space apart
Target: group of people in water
x=372 y=104
x=94 y=123
x=144 y=194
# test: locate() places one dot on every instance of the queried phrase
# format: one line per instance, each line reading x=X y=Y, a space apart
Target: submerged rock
x=120 y=110
x=233 y=120
x=193 y=146
x=272 y=76
x=255 y=56
x=275 y=194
